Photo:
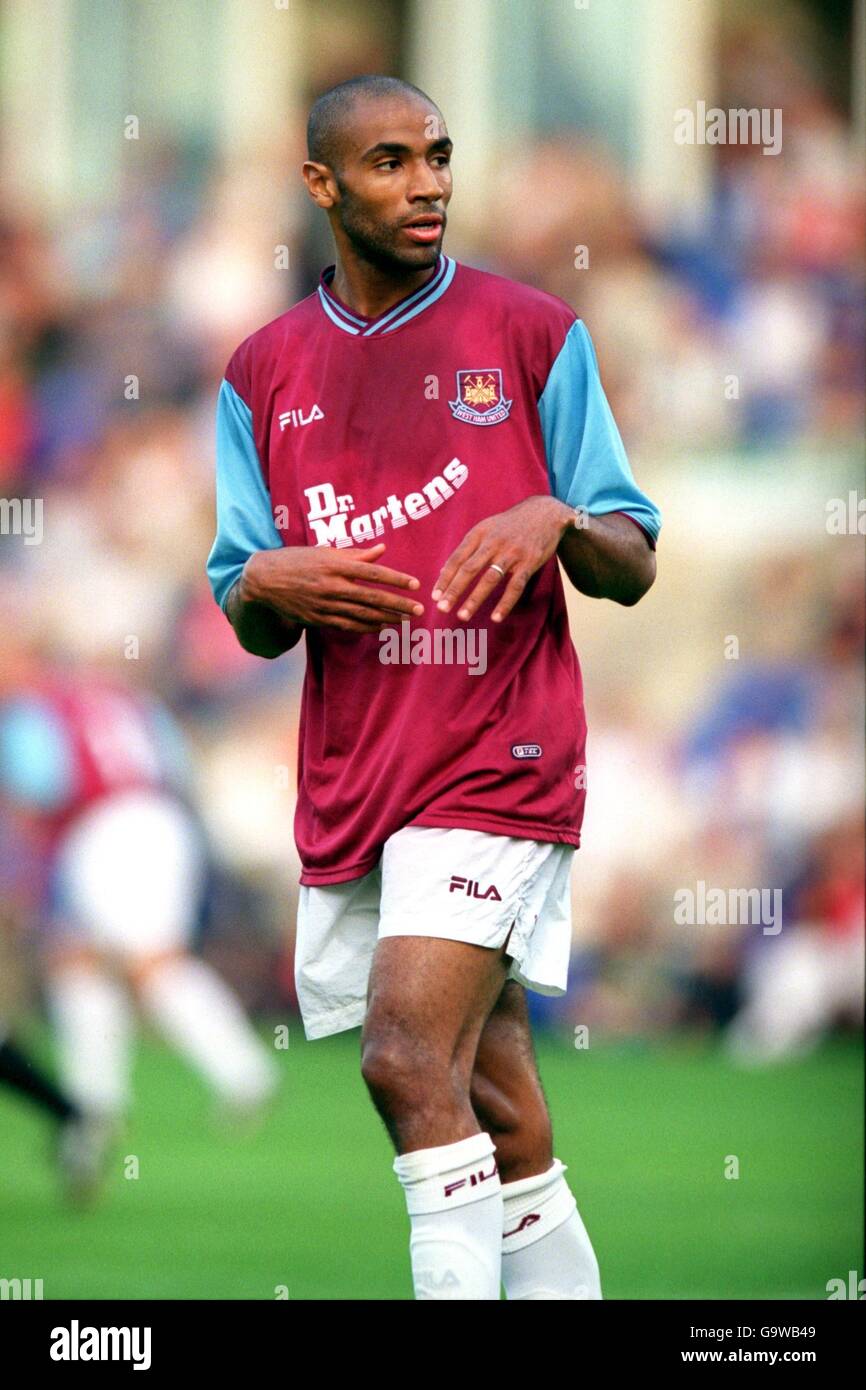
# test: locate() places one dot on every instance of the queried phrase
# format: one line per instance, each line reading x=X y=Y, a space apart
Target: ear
x=321 y=184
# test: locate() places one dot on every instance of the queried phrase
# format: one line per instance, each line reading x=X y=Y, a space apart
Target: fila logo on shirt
x=298 y=418
x=473 y=889
x=472 y=1181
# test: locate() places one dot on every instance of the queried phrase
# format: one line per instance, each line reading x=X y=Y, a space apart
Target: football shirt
x=467 y=397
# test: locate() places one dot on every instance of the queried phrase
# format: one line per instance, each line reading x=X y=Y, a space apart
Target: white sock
x=546 y=1252
x=454 y=1199
x=198 y=1014
x=91 y=1013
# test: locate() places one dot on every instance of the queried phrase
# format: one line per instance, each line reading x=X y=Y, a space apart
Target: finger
x=370 y=552
x=517 y=582
x=380 y=574
x=465 y=575
x=467 y=547
x=381 y=600
x=349 y=625
x=371 y=612
x=349 y=618
x=490 y=580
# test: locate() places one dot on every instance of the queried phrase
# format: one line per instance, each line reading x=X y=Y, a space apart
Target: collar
x=409 y=308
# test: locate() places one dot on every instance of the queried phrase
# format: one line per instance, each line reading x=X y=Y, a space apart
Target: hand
x=519 y=541
x=320 y=586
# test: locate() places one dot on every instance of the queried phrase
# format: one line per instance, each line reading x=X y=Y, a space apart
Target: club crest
x=480 y=398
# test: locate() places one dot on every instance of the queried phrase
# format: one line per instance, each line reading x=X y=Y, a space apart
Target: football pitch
x=308 y=1207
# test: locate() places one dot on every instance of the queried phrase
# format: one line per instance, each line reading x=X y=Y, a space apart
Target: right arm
x=259 y=629
x=281 y=592
x=270 y=592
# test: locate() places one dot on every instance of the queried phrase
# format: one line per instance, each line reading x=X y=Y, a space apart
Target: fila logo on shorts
x=472 y=889
x=472 y=1181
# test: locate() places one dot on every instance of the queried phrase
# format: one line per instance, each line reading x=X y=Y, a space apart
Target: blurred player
x=80 y=1144
x=97 y=773
x=811 y=976
x=22 y=1075
x=456 y=421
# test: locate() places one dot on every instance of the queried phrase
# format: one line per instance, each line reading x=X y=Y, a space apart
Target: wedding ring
x=497 y=567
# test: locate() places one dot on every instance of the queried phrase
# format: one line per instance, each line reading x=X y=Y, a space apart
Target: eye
x=443 y=159
x=388 y=164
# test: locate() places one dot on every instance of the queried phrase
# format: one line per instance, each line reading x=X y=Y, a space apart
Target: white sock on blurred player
x=199 y=1015
x=546 y=1252
x=92 y=1014
x=453 y=1195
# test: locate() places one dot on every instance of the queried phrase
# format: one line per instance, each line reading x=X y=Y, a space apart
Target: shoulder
x=538 y=310
x=254 y=358
x=536 y=323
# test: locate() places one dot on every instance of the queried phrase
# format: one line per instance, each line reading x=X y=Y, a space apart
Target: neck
x=371 y=290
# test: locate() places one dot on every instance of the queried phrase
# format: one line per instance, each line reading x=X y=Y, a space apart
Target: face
x=388 y=196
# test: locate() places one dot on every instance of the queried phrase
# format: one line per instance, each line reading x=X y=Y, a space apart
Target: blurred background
x=151 y=216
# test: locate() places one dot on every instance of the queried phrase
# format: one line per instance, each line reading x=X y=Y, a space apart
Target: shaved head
x=379 y=165
x=332 y=111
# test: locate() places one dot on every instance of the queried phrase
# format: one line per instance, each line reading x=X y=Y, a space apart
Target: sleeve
x=245 y=520
x=586 y=459
x=36 y=767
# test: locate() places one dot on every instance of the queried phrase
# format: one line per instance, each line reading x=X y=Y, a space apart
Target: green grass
x=311 y=1202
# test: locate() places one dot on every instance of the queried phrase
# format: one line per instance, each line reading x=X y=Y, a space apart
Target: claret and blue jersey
x=470 y=395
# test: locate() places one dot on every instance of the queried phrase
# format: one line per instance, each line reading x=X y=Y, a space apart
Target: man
x=95 y=772
x=416 y=442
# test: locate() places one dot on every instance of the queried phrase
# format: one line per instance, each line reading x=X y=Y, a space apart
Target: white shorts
x=129 y=875
x=465 y=885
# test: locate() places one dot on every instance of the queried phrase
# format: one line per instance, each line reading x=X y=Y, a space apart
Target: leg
x=428 y=1001
x=198 y=1014
x=91 y=1017
x=506 y=1089
x=131 y=871
x=20 y=1073
x=546 y=1252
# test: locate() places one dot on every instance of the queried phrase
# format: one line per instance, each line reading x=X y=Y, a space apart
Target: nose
x=424 y=187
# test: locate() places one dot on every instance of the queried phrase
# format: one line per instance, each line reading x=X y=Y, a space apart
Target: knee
x=383 y=1068
x=390 y=1071
x=402 y=1076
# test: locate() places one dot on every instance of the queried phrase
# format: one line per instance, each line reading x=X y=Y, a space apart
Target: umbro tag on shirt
x=470 y=395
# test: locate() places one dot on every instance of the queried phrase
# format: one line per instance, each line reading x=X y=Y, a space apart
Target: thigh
x=449 y=900
x=435 y=994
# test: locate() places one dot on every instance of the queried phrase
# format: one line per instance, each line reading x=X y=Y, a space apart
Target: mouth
x=425 y=228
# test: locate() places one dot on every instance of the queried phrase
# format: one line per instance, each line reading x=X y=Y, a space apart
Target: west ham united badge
x=480 y=398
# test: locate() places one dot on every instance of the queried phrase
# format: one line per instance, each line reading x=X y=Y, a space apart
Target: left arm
x=597 y=520
x=603 y=556
x=609 y=557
